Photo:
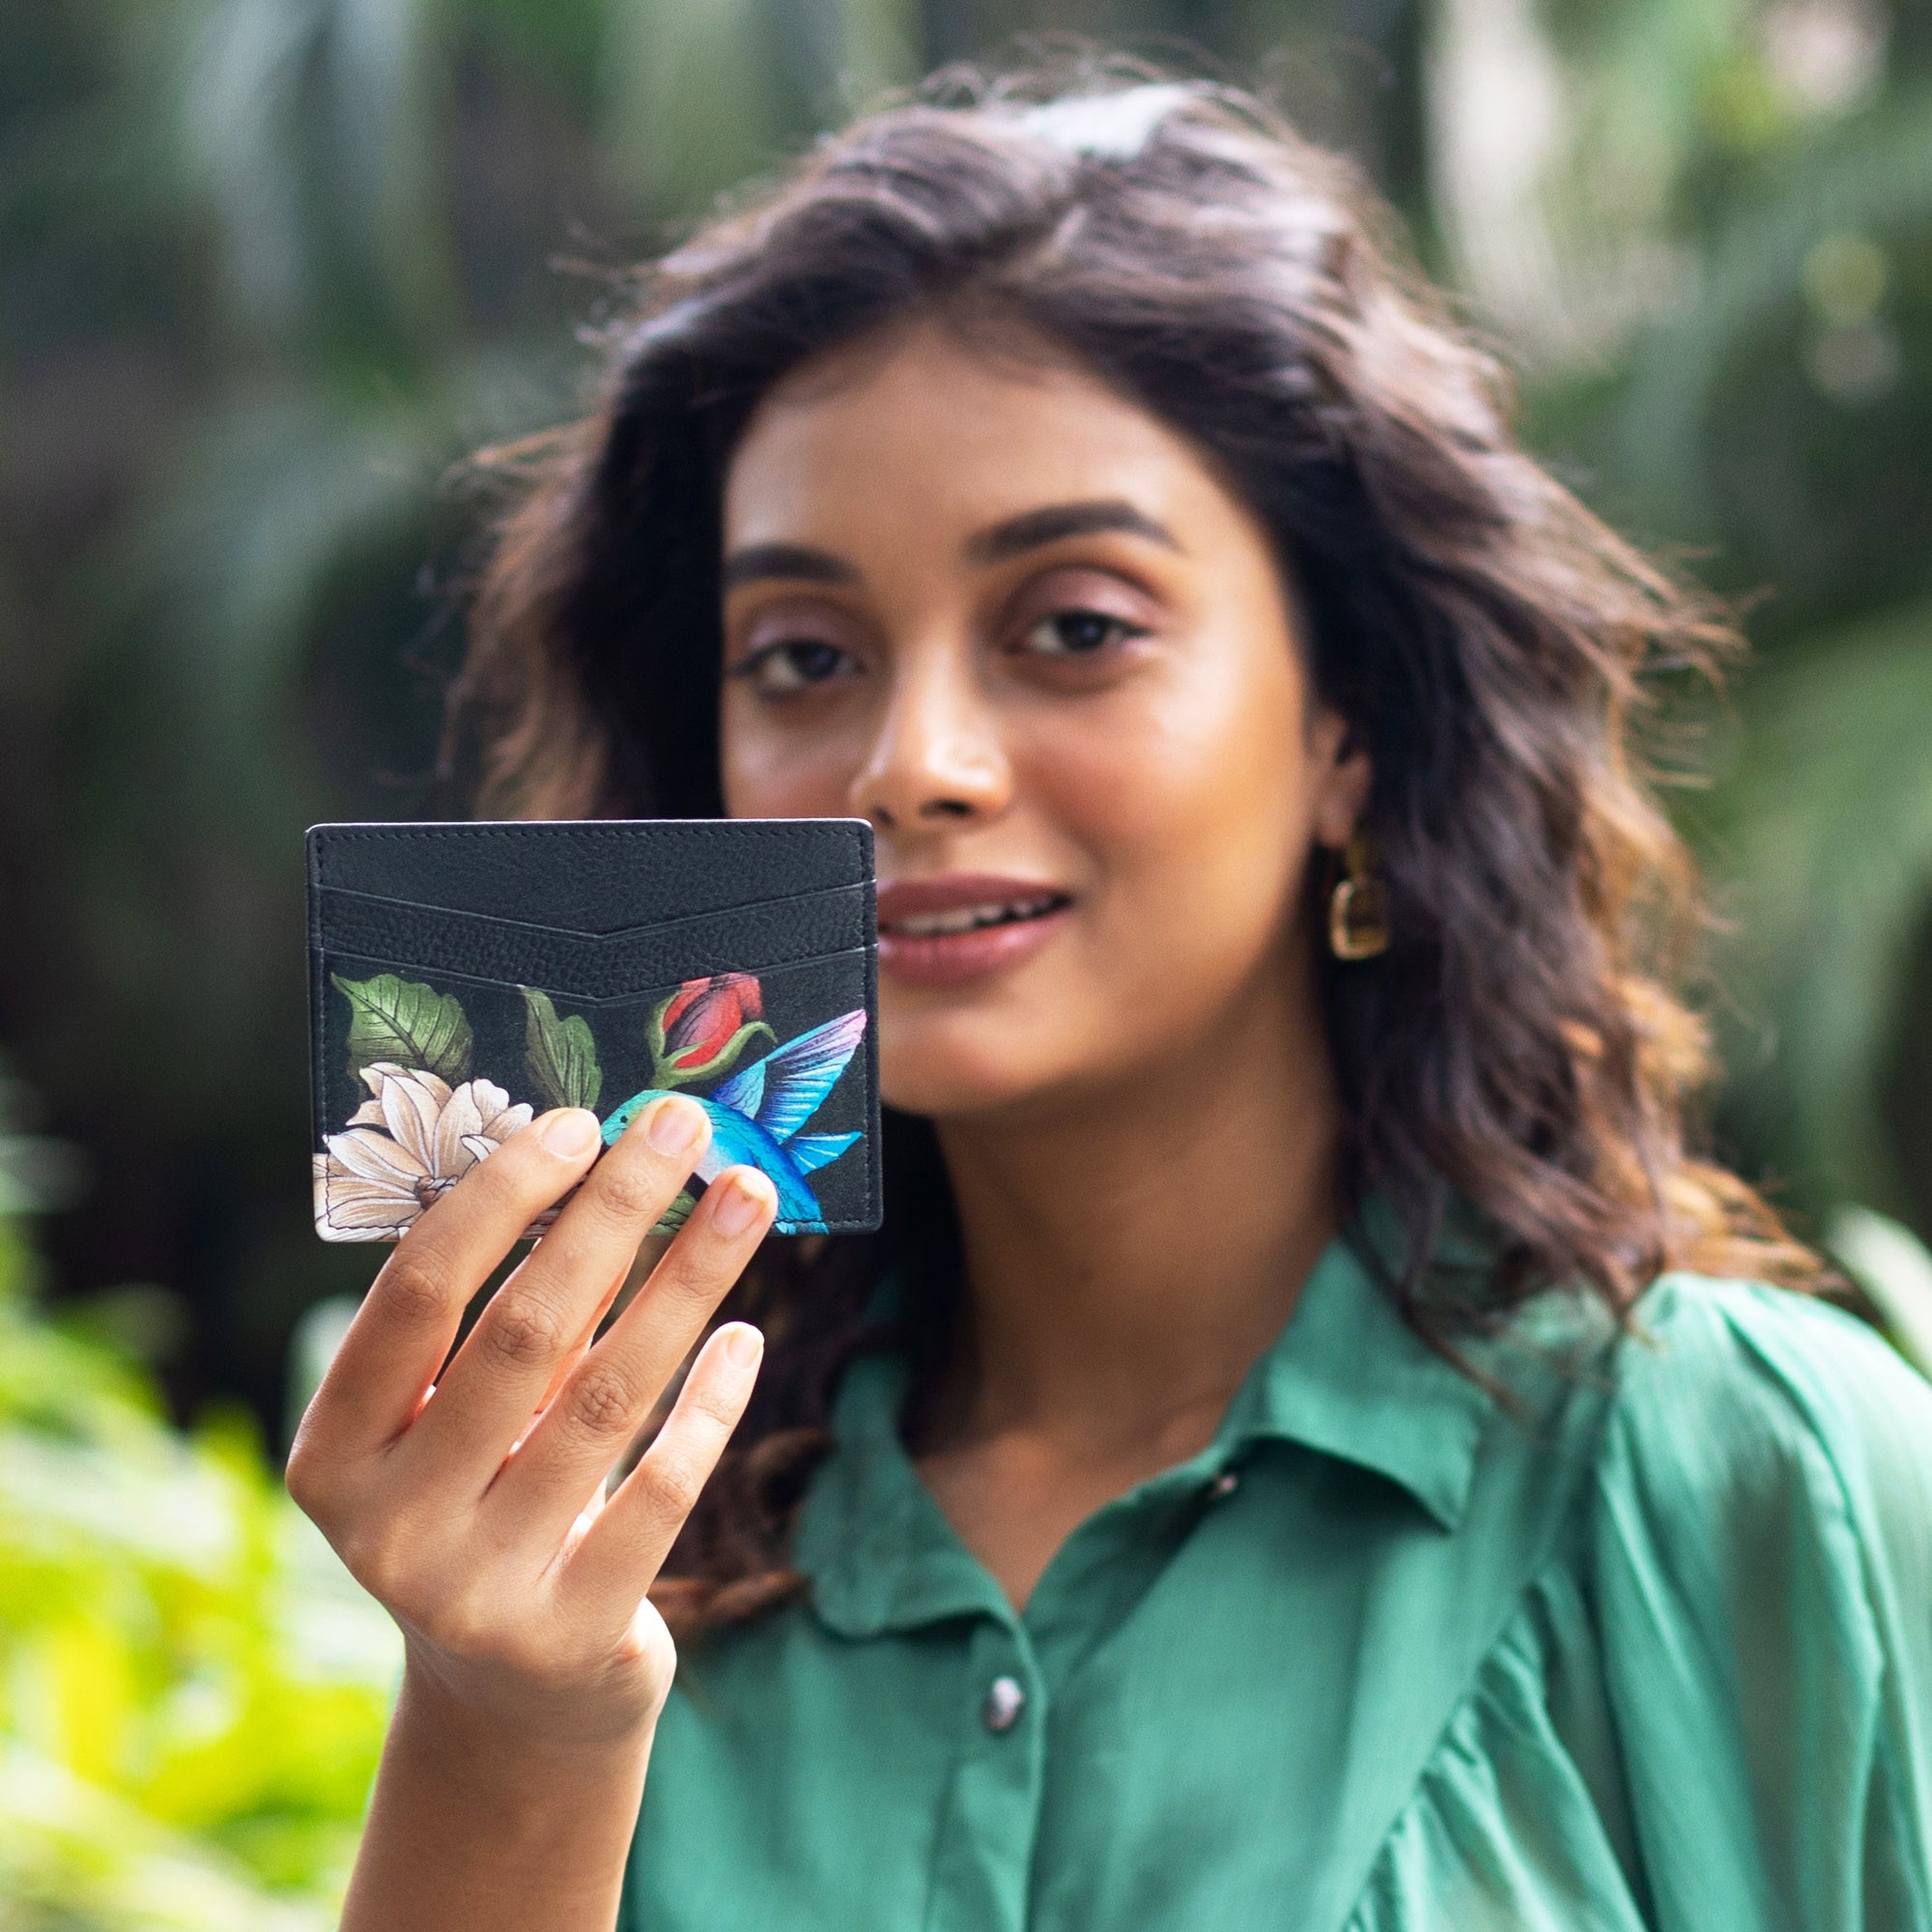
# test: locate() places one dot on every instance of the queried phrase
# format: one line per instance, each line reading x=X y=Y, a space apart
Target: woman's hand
x=469 y=1501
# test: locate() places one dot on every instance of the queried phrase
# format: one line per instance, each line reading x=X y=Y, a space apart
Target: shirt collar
x=876 y=1547
x=1346 y=1377
x=1349 y=1378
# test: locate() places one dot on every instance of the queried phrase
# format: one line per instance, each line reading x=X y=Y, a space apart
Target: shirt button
x=1005 y=1699
x=1225 y=1484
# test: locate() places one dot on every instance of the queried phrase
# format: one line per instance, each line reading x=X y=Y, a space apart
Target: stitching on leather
x=737 y=908
x=386 y=962
x=393 y=955
x=540 y=829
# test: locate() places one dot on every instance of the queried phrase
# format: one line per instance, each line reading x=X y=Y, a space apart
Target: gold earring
x=1359 y=923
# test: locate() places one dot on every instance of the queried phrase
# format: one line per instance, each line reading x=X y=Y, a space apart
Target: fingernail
x=743 y=1345
x=675 y=1125
x=741 y=1201
x=572 y=1133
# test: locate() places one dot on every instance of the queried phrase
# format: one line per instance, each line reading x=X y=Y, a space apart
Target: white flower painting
x=414 y=1137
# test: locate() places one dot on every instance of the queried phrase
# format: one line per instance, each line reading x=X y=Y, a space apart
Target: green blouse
x=1645 y=1642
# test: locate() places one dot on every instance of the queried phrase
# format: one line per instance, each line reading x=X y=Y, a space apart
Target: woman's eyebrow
x=784 y=560
x=1055 y=521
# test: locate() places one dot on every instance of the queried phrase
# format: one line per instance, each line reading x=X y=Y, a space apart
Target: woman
x=1306 y=1449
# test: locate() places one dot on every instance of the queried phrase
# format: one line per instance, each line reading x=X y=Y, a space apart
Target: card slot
x=354 y=965
x=592 y=875
x=337 y=903
x=431 y=941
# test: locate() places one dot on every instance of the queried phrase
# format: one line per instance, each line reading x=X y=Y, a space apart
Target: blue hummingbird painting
x=756 y=1115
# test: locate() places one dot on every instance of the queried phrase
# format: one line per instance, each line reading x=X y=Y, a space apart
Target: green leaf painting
x=561 y=1054
x=394 y=1018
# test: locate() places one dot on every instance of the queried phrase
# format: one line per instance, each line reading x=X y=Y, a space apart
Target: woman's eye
x=1077 y=634
x=778 y=670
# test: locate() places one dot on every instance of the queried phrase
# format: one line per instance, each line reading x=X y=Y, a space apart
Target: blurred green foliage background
x=269 y=269
x=193 y=1691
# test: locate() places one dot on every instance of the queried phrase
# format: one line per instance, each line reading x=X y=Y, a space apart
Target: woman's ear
x=1340 y=776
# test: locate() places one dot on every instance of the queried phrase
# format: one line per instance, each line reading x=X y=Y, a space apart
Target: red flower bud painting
x=705 y=1026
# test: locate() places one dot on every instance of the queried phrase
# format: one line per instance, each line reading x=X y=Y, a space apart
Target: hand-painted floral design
x=414 y=1137
x=418 y=1133
x=701 y=1031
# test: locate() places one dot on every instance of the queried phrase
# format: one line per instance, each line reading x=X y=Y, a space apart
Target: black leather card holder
x=465 y=976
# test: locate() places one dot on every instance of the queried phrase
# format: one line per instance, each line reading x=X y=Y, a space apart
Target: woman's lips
x=963 y=925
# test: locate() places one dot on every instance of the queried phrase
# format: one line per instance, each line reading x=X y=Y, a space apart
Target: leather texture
x=463 y=977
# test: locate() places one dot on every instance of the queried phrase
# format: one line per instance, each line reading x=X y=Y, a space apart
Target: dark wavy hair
x=1519 y=1052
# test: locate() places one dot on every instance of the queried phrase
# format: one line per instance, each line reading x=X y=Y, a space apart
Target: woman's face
x=1021 y=625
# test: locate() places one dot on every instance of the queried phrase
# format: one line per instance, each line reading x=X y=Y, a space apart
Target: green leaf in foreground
x=561 y=1054
x=392 y=1018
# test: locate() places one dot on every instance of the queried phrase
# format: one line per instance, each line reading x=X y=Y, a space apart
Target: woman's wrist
x=478 y=1707
x=528 y=1757
x=478 y=1822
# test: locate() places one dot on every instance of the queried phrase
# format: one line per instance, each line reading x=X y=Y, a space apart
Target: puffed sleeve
x=1762 y=1566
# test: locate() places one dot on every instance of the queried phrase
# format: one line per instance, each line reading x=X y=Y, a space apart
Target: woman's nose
x=937 y=759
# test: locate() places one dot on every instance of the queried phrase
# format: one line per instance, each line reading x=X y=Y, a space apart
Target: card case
x=463 y=978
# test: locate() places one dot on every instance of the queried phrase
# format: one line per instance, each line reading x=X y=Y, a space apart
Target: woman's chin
x=956 y=1094
x=959 y=1066
x=950 y=1080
